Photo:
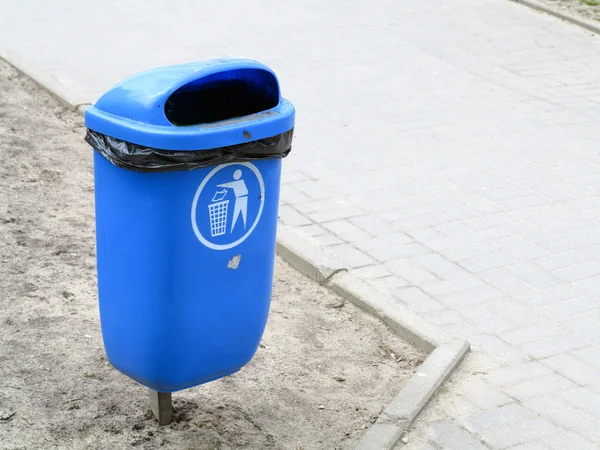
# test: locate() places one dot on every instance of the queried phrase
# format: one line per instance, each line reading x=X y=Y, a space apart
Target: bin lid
x=196 y=106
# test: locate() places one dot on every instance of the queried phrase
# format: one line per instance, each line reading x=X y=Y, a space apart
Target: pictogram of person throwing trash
x=240 y=191
x=228 y=205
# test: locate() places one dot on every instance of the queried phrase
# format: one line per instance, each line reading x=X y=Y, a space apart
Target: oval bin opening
x=221 y=96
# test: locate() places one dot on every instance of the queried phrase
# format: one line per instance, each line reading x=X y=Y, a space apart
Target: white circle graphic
x=199 y=235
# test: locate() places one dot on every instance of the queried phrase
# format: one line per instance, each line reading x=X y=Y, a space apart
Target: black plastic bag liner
x=130 y=156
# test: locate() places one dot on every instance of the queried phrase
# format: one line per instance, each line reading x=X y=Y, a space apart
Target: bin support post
x=161 y=406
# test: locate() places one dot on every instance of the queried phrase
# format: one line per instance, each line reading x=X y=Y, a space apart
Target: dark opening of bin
x=221 y=96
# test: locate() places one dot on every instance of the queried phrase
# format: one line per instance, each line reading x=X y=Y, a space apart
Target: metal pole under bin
x=187 y=168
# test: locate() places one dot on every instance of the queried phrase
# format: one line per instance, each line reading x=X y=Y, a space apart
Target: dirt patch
x=587 y=9
x=322 y=375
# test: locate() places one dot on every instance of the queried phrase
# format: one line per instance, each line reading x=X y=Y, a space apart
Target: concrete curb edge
x=404 y=322
x=399 y=415
x=58 y=90
x=583 y=23
x=445 y=352
x=308 y=259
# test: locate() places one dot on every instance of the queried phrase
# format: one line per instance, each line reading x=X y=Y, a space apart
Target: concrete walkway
x=446 y=151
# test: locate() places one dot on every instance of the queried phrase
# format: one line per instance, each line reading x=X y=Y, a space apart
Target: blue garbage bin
x=187 y=174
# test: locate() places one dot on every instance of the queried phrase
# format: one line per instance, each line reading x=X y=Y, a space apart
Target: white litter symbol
x=219 y=208
x=244 y=187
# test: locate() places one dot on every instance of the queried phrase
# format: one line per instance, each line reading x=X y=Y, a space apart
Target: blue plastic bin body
x=185 y=258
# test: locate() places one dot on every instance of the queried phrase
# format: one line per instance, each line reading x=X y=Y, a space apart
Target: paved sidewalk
x=446 y=151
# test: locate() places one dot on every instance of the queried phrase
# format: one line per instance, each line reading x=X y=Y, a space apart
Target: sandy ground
x=588 y=9
x=322 y=375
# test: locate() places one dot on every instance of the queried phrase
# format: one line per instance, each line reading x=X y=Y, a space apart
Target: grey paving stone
x=483 y=394
x=561 y=310
x=547 y=297
x=393 y=252
x=443 y=268
x=373 y=225
x=553 y=193
x=564 y=261
x=393 y=240
x=494 y=322
x=292 y=195
x=314 y=189
x=498 y=417
x=553 y=346
x=433 y=239
x=584 y=399
x=569 y=230
x=346 y=231
x=591 y=433
x=549 y=242
x=418 y=276
x=426 y=220
x=537 y=387
x=444 y=317
x=461 y=407
x=496 y=347
x=573 y=368
x=314 y=206
x=350 y=256
x=530 y=446
x=593 y=251
x=327 y=239
x=373 y=271
x=417 y=300
x=534 y=275
x=581 y=271
x=340 y=212
x=506 y=281
x=430 y=446
x=450 y=437
x=522 y=432
x=594 y=315
x=584 y=240
x=591 y=355
x=511 y=229
x=590 y=286
x=519 y=245
x=290 y=175
x=460 y=286
x=567 y=440
x=376 y=206
x=524 y=202
x=452 y=209
x=290 y=216
x=559 y=412
x=463 y=329
x=537 y=216
x=469 y=251
x=489 y=220
x=407 y=212
x=312 y=230
x=480 y=205
x=492 y=261
x=521 y=336
x=584 y=326
x=390 y=283
x=506 y=192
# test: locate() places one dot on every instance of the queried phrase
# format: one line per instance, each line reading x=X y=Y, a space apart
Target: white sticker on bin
x=228 y=205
